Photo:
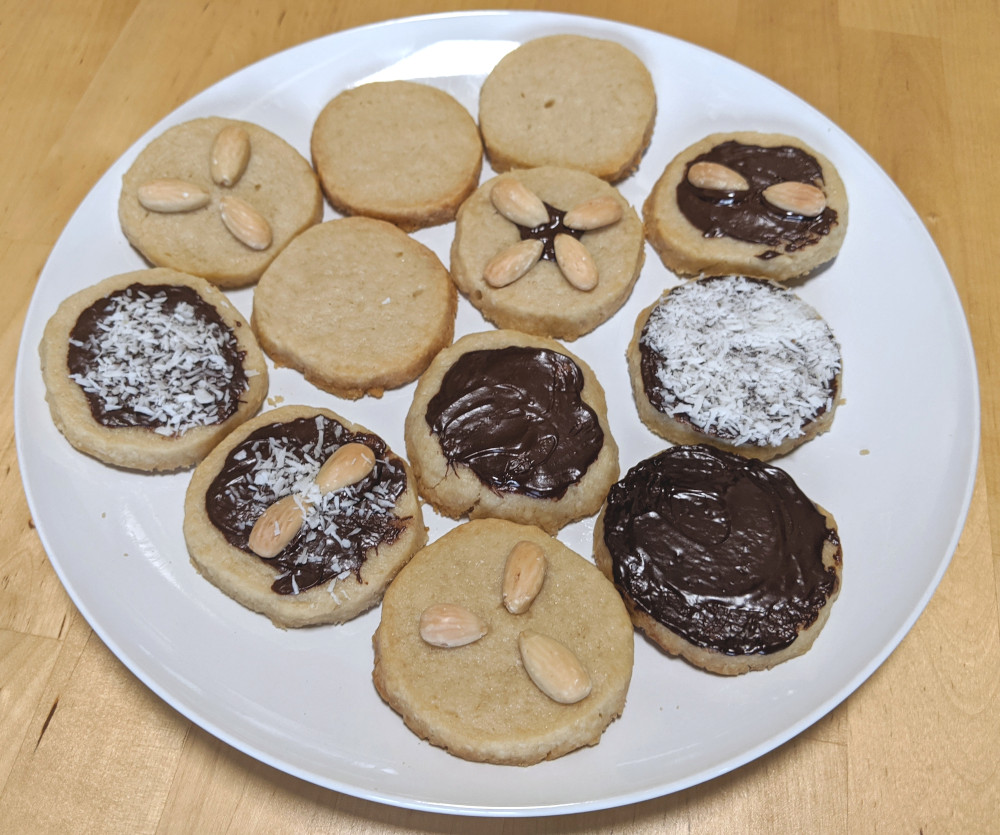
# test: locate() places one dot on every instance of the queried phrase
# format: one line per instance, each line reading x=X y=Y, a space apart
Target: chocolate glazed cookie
x=721 y=559
x=513 y=426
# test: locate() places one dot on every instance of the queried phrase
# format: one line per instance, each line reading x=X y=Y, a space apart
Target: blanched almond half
x=594 y=214
x=281 y=521
x=712 y=175
x=575 y=262
x=450 y=625
x=508 y=265
x=348 y=465
x=277 y=526
x=798 y=198
x=553 y=667
x=523 y=575
x=171 y=195
x=230 y=155
x=516 y=202
x=245 y=223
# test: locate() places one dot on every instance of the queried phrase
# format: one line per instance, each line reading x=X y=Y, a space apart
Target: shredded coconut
x=744 y=360
x=163 y=362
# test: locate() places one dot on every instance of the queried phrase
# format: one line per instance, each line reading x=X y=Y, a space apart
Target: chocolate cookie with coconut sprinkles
x=302 y=516
x=148 y=370
x=742 y=364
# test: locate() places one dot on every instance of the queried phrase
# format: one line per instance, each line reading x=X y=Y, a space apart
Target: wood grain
x=85 y=747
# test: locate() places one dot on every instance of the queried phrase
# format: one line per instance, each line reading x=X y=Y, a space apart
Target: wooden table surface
x=85 y=747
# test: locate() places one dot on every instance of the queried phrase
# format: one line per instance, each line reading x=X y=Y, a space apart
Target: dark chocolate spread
x=156 y=356
x=546 y=232
x=339 y=530
x=745 y=215
x=516 y=418
x=722 y=550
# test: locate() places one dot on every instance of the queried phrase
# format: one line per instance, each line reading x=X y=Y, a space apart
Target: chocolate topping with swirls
x=726 y=552
x=156 y=356
x=745 y=215
x=516 y=418
x=282 y=458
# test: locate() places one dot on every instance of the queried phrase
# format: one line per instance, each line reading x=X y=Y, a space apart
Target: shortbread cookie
x=479 y=700
x=741 y=363
x=150 y=369
x=755 y=204
x=400 y=151
x=721 y=559
x=513 y=426
x=570 y=101
x=561 y=291
x=219 y=198
x=356 y=305
x=349 y=538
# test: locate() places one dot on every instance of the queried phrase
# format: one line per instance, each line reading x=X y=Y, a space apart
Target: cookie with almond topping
x=549 y=292
x=740 y=363
x=218 y=198
x=486 y=700
x=746 y=203
x=350 y=537
x=570 y=101
x=149 y=370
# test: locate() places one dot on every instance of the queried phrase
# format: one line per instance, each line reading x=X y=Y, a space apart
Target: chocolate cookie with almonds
x=303 y=516
x=755 y=204
x=549 y=251
x=218 y=198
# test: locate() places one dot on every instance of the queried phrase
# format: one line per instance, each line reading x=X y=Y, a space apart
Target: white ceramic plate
x=896 y=469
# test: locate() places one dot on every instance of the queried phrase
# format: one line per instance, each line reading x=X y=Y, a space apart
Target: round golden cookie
x=570 y=101
x=543 y=300
x=352 y=542
x=720 y=559
x=508 y=425
x=400 y=151
x=702 y=221
x=477 y=700
x=740 y=363
x=277 y=189
x=150 y=369
x=356 y=305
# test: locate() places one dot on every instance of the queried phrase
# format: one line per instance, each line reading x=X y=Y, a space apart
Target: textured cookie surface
x=721 y=559
x=747 y=203
x=543 y=300
x=352 y=542
x=400 y=151
x=477 y=700
x=356 y=305
x=277 y=184
x=148 y=370
x=508 y=425
x=743 y=364
x=569 y=101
